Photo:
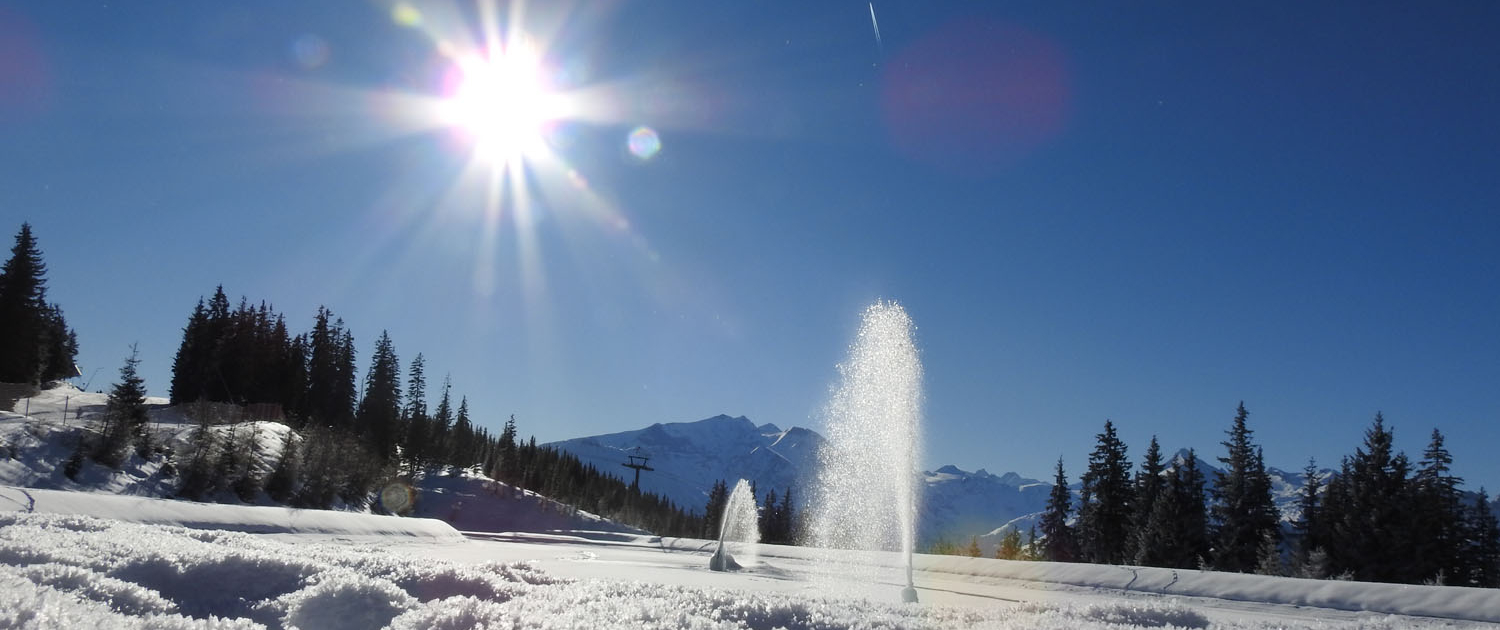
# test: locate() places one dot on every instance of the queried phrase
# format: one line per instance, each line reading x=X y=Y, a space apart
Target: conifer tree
x=1031 y=551
x=512 y=469
x=1367 y=510
x=1243 y=511
x=1105 y=501
x=380 y=410
x=123 y=421
x=1484 y=543
x=1057 y=537
x=439 y=438
x=1178 y=529
x=769 y=521
x=1439 y=534
x=713 y=511
x=1010 y=545
x=36 y=344
x=1308 y=527
x=1148 y=486
x=786 y=513
x=414 y=414
x=330 y=372
x=464 y=437
x=973 y=550
x=126 y=405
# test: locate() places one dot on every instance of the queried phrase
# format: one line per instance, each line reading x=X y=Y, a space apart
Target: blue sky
x=1146 y=213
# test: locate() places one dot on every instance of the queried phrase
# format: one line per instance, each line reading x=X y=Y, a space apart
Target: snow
x=487 y=555
x=71 y=570
x=242 y=518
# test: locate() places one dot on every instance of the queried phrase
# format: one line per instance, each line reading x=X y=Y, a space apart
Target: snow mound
x=243 y=518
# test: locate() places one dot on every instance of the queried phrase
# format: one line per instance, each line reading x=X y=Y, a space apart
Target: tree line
x=351 y=445
x=239 y=368
x=1378 y=518
x=779 y=521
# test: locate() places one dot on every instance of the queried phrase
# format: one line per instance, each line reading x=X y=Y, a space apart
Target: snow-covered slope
x=34 y=447
x=688 y=457
x=957 y=504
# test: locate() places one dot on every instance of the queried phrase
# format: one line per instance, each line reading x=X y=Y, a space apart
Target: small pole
x=65 y=410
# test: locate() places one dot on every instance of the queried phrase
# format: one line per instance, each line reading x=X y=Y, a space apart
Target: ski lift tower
x=638 y=462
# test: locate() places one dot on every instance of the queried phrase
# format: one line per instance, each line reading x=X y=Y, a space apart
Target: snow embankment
x=240 y=518
x=1448 y=602
x=1445 y=602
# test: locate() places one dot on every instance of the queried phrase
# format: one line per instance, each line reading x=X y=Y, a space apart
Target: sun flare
x=502 y=103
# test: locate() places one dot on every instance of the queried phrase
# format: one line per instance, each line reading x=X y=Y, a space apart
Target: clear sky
x=1144 y=211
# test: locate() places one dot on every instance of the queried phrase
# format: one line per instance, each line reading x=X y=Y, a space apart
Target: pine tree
x=973 y=550
x=787 y=513
x=1010 y=545
x=512 y=469
x=1031 y=551
x=440 y=438
x=1243 y=511
x=124 y=418
x=1057 y=538
x=379 y=413
x=188 y=367
x=59 y=346
x=1367 y=510
x=1268 y=559
x=414 y=414
x=36 y=345
x=1439 y=534
x=126 y=405
x=1178 y=529
x=1483 y=543
x=1105 y=501
x=770 y=521
x=1148 y=486
x=464 y=437
x=330 y=372
x=713 y=511
x=1308 y=527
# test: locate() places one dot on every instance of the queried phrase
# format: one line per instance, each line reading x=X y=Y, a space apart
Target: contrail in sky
x=876 y=24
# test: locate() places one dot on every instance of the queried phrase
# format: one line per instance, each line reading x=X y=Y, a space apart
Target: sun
x=501 y=102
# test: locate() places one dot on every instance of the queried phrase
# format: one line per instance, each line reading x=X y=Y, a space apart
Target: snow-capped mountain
x=688 y=457
x=957 y=504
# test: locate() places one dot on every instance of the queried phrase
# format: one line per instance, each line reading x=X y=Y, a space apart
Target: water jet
x=866 y=492
x=739 y=524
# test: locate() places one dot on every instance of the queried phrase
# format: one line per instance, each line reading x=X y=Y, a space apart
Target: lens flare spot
x=398 y=498
x=643 y=143
x=406 y=15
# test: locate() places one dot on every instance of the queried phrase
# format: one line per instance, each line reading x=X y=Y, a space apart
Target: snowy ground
x=118 y=557
x=339 y=570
